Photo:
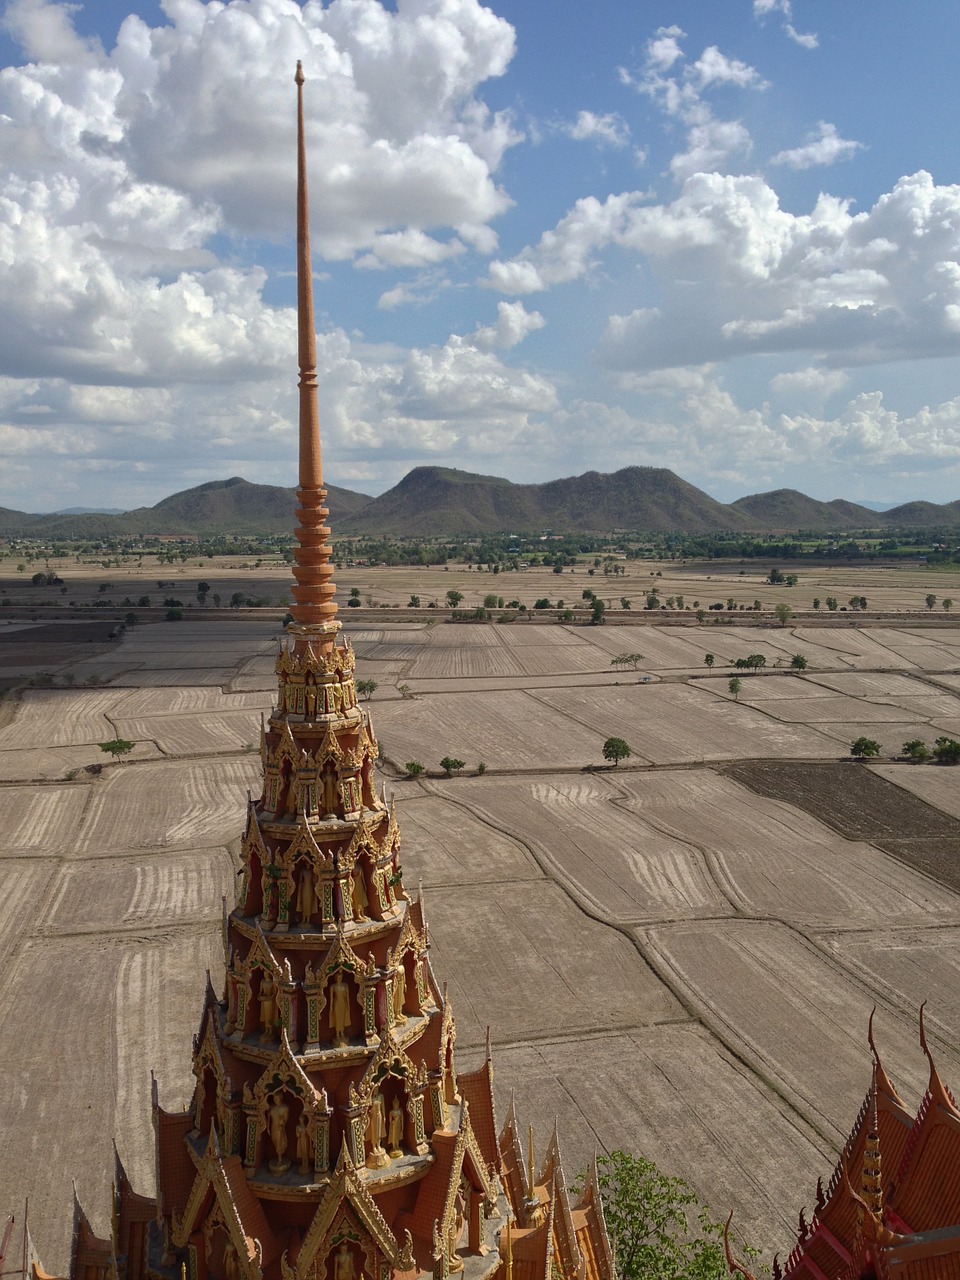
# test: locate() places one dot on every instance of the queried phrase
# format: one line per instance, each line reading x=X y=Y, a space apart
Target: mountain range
x=437 y=501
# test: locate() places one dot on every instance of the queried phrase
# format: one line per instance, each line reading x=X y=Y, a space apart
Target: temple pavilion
x=891 y=1210
x=330 y=1135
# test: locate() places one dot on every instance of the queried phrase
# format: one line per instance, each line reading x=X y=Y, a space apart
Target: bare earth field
x=677 y=956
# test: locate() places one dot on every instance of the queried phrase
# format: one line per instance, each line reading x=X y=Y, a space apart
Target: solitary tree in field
x=863 y=747
x=798 y=662
x=116 y=747
x=784 y=614
x=735 y=685
x=615 y=749
x=454 y=597
x=931 y=600
x=947 y=603
x=708 y=660
x=451 y=765
x=366 y=688
x=414 y=768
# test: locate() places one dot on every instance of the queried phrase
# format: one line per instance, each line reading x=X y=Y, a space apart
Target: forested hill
x=439 y=501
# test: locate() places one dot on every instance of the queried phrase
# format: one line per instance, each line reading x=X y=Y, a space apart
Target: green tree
x=709 y=660
x=798 y=662
x=930 y=600
x=414 y=768
x=659 y=1229
x=946 y=751
x=832 y=603
x=116 y=747
x=451 y=765
x=625 y=603
x=947 y=603
x=596 y=612
x=490 y=602
x=775 y=577
x=454 y=597
x=735 y=685
x=784 y=614
x=366 y=688
x=413 y=602
x=615 y=749
x=916 y=751
x=701 y=615
x=816 y=602
x=863 y=747
x=404 y=691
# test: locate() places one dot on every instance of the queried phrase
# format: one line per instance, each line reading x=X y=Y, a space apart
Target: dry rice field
x=677 y=956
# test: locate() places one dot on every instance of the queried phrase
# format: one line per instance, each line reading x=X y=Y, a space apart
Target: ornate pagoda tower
x=329 y=1136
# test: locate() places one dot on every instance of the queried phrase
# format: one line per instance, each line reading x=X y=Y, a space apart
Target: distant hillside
x=220 y=506
x=788 y=509
x=437 y=500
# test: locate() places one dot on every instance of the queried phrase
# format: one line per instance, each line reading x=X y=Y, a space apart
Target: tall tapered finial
x=314 y=592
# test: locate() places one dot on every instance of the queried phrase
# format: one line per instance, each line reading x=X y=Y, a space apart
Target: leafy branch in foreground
x=658 y=1227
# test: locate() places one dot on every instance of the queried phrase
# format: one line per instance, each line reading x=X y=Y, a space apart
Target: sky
x=719 y=236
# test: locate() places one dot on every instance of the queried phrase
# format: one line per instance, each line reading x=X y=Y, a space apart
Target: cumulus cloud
x=677 y=87
x=569 y=251
x=513 y=324
x=823 y=147
x=611 y=128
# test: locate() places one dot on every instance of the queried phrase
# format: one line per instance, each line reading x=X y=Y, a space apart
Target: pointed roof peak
x=314 y=606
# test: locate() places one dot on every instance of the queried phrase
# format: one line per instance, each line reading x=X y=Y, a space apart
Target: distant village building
x=330 y=1135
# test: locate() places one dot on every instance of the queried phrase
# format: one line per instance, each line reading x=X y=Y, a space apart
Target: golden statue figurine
x=343 y=1264
x=306 y=895
x=231 y=1262
x=339 y=1009
x=395 y=1131
x=329 y=791
x=310 y=697
x=399 y=994
x=277 y=1114
x=268 y=1005
x=376 y=1128
x=358 y=894
x=303 y=1144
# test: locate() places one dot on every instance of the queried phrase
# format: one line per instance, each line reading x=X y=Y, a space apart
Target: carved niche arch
x=251 y=974
x=392 y=1074
x=342 y=960
x=256 y=857
x=287 y=1115
x=404 y=962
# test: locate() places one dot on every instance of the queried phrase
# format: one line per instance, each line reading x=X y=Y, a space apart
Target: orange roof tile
x=477 y=1088
x=434 y=1187
x=175 y=1169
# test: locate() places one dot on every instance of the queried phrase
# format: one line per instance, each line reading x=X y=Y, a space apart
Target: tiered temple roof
x=892 y=1208
x=330 y=1136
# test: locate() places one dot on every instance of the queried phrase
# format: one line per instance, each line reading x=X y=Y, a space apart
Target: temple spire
x=313 y=593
